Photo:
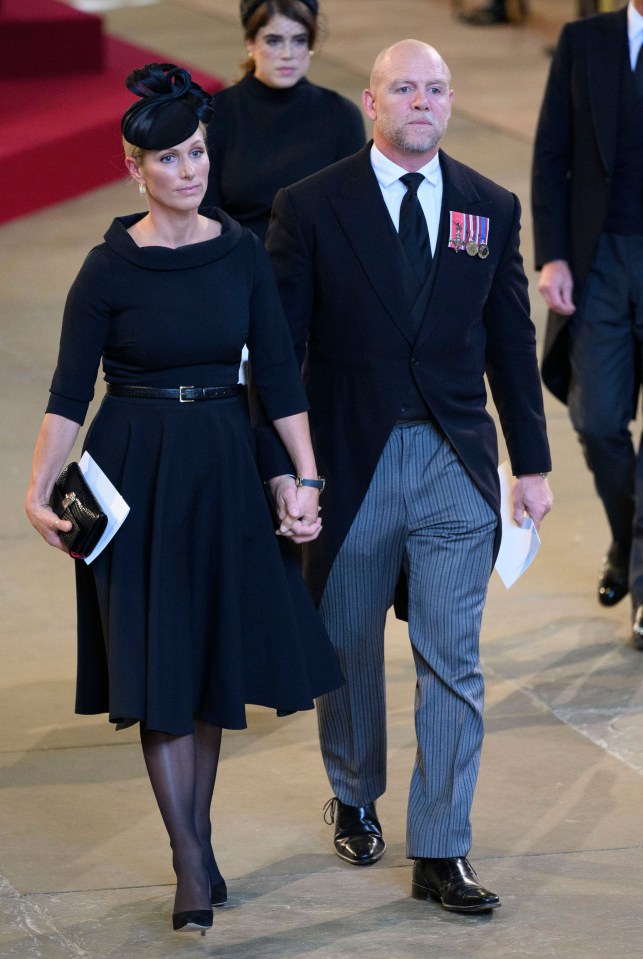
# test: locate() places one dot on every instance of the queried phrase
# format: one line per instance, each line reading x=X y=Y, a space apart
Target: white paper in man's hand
x=109 y=499
x=519 y=544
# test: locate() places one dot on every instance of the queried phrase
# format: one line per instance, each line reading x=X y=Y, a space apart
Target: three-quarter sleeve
x=85 y=328
x=274 y=367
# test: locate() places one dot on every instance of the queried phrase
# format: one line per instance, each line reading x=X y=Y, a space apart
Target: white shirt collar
x=634 y=21
x=388 y=172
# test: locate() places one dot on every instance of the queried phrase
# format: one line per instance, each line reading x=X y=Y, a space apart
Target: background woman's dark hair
x=293 y=9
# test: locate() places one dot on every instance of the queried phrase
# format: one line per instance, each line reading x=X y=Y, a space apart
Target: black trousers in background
x=607 y=359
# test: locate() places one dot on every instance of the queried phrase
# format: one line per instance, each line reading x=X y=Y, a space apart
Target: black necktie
x=414 y=232
x=638 y=73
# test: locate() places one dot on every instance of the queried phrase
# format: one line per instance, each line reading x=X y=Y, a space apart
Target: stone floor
x=84 y=864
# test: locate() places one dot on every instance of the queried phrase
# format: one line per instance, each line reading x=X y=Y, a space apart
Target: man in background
x=587 y=198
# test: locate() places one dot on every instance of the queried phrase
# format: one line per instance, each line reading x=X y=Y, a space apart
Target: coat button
x=415 y=361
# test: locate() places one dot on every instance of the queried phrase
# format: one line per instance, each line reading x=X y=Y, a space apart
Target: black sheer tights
x=183 y=770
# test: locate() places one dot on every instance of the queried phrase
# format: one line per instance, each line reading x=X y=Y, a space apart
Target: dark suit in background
x=395 y=376
x=587 y=194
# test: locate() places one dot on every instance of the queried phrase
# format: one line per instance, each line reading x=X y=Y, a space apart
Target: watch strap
x=319 y=483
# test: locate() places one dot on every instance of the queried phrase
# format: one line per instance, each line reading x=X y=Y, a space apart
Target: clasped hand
x=297 y=509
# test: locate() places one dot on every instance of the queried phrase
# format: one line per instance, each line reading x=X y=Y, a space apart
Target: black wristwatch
x=319 y=483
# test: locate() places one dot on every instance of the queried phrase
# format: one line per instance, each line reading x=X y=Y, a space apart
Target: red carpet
x=60 y=135
x=43 y=37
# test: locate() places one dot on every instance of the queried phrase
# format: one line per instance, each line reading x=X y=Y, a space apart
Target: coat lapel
x=459 y=194
x=606 y=46
x=363 y=217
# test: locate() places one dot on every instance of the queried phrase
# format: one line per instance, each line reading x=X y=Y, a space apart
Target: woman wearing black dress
x=275 y=127
x=189 y=613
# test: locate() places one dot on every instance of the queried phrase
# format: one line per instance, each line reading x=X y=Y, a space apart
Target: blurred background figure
x=516 y=11
x=587 y=8
x=587 y=199
x=497 y=11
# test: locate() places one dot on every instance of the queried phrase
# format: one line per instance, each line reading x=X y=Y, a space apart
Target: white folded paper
x=109 y=499
x=519 y=544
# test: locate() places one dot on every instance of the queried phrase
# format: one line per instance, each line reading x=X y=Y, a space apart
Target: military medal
x=483 y=249
x=469 y=232
x=473 y=230
x=456 y=231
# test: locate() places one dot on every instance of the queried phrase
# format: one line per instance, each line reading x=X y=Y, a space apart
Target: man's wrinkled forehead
x=410 y=60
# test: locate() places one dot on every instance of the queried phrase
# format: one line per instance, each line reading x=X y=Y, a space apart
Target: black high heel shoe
x=219 y=894
x=194 y=920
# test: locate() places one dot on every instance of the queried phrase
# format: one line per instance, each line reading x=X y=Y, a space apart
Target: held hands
x=45 y=521
x=531 y=494
x=297 y=509
x=557 y=286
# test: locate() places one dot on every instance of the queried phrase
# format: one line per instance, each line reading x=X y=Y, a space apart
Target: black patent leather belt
x=184 y=394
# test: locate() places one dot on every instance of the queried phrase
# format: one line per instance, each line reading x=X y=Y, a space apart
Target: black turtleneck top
x=261 y=139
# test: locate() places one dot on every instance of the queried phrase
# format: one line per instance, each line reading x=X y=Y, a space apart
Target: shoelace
x=330 y=810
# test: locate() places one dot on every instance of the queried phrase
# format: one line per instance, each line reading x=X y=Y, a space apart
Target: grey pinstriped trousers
x=421 y=509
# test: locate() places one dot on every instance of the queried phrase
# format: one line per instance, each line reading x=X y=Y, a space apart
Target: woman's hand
x=297 y=509
x=55 y=440
x=45 y=521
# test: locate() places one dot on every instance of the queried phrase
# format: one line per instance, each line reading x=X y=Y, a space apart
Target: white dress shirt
x=634 y=32
x=429 y=193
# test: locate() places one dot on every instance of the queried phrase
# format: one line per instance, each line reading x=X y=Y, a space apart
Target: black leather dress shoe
x=613 y=576
x=637 y=627
x=358 y=834
x=453 y=883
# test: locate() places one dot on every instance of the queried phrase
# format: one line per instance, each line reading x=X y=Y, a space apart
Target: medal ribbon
x=456 y=231
x=467 y=228
x=473 y=229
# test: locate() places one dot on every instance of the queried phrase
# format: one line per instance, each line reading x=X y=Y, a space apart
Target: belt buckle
x=182 y=399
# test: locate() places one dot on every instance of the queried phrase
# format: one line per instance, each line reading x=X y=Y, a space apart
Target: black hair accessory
x=248 y=7
x=169 y=110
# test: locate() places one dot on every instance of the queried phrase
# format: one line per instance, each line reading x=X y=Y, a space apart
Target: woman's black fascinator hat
x=169 y=110
x=248 y=7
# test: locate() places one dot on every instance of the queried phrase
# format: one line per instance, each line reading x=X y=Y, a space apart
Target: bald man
x=402 y=280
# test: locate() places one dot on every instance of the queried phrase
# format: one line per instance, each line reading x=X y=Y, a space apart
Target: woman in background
x=274 y=126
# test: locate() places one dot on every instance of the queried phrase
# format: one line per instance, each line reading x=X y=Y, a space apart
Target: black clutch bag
x=71 y=499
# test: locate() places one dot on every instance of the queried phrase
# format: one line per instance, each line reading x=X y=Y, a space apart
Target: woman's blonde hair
x=136 y=153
